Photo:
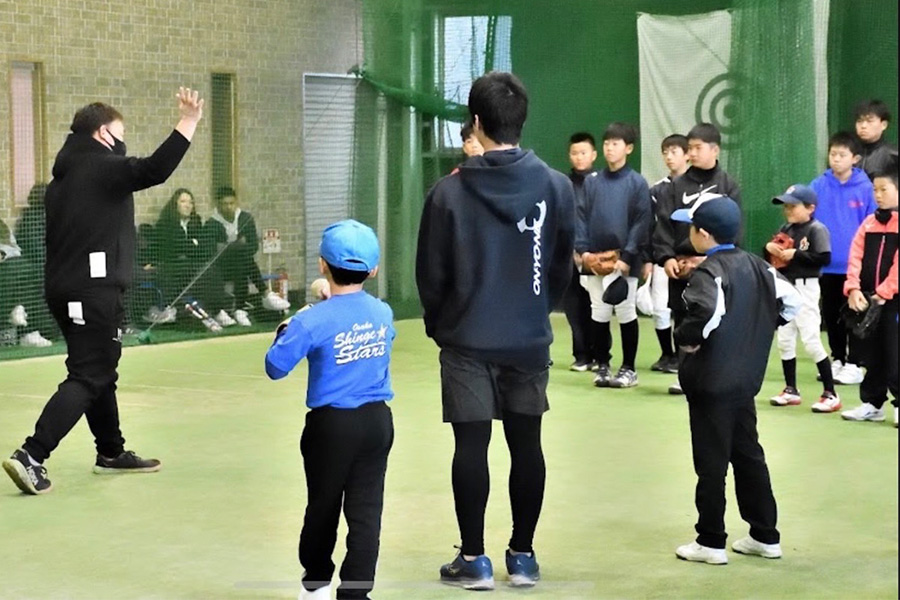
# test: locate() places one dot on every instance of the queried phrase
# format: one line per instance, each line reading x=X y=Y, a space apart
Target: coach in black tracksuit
x=734 y=303
x=90 y=255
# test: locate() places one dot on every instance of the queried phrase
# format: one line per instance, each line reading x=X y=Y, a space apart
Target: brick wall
x=134 y=54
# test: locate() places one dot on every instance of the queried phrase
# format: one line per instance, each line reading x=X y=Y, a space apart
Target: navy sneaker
x=523 y=570
x=471 y=575
x=126 y=462
x=29 y=478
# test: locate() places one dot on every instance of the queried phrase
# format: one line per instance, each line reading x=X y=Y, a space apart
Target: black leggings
x=471 y=479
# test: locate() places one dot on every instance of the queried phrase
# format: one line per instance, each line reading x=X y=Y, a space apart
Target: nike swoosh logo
x=687 y=199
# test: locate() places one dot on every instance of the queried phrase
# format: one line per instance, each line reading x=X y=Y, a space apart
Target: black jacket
x=734 y=301
x=90 y=211
x=670 y=239
x=877 y=157
x=495 y=256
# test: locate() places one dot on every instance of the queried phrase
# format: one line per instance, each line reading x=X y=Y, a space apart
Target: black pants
x=345 y=454
x=723 y=430
x=94 y=343
x=237 y=265
x=844 y=347
x=577 y=305
x=881 y=360
x=471 y=479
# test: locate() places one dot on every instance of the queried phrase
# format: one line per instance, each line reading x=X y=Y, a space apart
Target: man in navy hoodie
x=494 y=258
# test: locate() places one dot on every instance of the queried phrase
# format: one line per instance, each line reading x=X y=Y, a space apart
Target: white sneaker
x=849 y=374
x=272 y=301
x=697 y=553
x=827 y=403
x=224 y=319
x=323 y=593
x=895 y=416
x=18 y=317
x=242 y=318
x=748 y=545
x=789 y=397
x=675 y=389
x=836 y=367
x=34 y=340
x=864 y=412
x=157 y=316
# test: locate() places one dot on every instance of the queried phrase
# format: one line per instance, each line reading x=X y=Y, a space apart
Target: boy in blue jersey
x=349 y=430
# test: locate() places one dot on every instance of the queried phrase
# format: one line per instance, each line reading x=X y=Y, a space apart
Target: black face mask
x=883 y=215
x=118 y=146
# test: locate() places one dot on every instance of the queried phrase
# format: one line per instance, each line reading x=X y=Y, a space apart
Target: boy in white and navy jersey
x=349 y=430
x=799 y=258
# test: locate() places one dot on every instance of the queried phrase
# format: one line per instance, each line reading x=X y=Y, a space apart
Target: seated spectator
x=232 y=231
x=182 y=261
x=29 y=234
x=18 y=290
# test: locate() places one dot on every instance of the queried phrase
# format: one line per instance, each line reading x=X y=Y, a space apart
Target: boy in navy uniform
x=734 y=302
x=577 y=302
x=703 y=180
x=349 y=430
x=800 y=261
x=494 y=258
x=616 y=216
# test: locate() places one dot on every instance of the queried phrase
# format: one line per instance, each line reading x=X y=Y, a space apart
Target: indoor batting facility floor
x=222 y=518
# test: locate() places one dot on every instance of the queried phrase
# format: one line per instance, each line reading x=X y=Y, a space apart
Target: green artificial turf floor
x=221 y=519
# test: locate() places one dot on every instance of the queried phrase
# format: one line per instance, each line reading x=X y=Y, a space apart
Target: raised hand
x=190 y=105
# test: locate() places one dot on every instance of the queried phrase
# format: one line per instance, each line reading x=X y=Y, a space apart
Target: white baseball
x=320 y=289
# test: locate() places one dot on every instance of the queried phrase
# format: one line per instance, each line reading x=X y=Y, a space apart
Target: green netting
x=796 y=68
x=794 y=72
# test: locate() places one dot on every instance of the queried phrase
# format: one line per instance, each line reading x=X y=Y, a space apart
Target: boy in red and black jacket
x=872 y=279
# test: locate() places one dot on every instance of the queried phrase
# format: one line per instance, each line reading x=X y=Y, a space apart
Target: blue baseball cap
x=720 y=216
x=797 y=194
x=350 y=245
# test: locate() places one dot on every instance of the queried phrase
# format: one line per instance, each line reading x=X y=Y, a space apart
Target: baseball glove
x=862 y=324
x=687 y=264
x=783 y=241
x=601 y=263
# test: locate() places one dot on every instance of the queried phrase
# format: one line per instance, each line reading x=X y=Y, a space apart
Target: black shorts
x=475 y=390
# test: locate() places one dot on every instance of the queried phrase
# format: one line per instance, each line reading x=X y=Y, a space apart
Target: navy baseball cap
x=797 y=194
x=720 y=216
x=350 y=245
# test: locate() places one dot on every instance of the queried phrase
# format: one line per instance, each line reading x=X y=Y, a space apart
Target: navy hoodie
x=495 y=256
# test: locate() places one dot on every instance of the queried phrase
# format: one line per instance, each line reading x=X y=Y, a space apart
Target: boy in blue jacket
x=349 y=431
x=845 y=198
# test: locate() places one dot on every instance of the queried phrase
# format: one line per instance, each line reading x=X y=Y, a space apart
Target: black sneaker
x=29 y=478
x=127 y=462
x=580 y=366
x=660 y=365
x=601 y=379
x=672 y=365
